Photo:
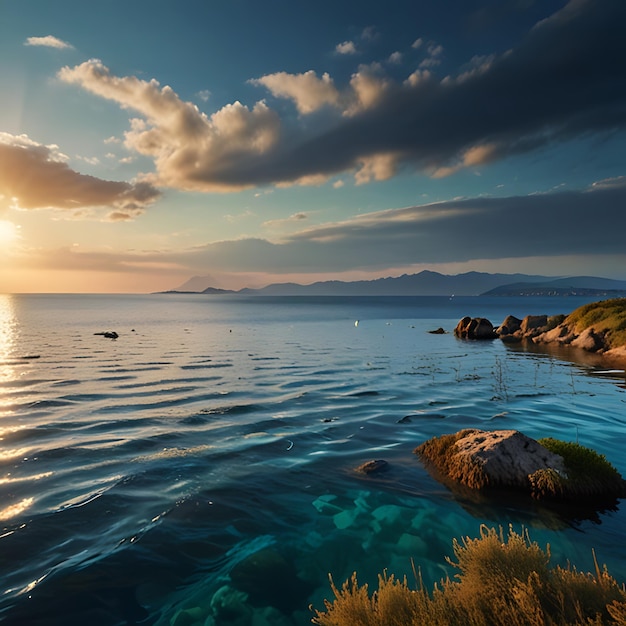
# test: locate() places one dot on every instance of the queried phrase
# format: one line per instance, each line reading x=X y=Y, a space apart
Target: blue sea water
x=200 y=468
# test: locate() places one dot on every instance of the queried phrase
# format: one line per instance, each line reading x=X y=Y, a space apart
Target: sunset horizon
x=261 y=145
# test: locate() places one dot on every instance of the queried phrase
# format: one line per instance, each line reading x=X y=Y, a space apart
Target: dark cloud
x=591 y=222
x=565 y=79
x=36 y=176
x=585 y=224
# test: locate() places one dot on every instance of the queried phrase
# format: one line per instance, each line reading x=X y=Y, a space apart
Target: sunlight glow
x=9 y=233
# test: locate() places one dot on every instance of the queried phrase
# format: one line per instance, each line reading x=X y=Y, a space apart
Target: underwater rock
x=372 y=467
x=412 y=545
x=270 y=580
x=186 y=617
x=230 y=604
x=324 y=504
x=346 y=518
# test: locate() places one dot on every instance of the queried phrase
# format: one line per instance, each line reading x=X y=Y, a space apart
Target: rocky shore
x=598 y=328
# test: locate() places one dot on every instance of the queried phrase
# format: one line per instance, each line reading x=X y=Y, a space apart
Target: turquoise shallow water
x=199 y=469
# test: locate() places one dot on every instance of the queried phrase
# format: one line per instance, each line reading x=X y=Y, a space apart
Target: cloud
x=191 y=151
x=435 y=51
x=548 y=225
x=562 y=82
x=49 y=42
x=551 y=226
x=36 y=176
x=346 y=47
x=279 y=224
x=369 y=33
x=308 y=92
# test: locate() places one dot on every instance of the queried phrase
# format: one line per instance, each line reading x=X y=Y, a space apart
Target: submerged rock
x=269 y=579
x=374 y=466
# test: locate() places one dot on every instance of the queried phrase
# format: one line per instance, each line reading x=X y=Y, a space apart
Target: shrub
x=589 y=474
x=501 y=581
x=607 y=316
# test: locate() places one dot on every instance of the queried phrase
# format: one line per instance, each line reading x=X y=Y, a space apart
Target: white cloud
x=417 y=77
x=417 y=43
x=190 y=150
x=395 y=57
x=368 y=86
x=376 y=167
x=49 y=42
x=204 y=95
x=308 y=92
x=346 y=47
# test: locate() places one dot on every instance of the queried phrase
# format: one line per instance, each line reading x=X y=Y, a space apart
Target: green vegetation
x=501 y=581
x=589 y=474
x=606 y=316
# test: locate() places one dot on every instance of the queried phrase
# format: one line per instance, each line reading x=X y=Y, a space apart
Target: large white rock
x=506 y=457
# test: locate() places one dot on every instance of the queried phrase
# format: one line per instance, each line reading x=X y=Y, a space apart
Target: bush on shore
x=609 y=316
x=502 y=580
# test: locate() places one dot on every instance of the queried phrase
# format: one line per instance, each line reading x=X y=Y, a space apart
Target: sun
x=9 y=232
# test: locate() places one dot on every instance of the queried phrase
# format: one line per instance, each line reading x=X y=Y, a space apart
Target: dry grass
x=502 y=580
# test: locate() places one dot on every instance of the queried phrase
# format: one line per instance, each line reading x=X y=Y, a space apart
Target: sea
x=202 y=468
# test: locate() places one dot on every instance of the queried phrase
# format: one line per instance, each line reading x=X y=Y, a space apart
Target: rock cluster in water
x=597 y=337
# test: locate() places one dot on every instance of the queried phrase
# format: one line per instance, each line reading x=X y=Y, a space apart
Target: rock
x=411 y=545
x=546 y=469
x=109 y=334
x=480 y=459
x=270 y=580
x=509 y=326
x=533 y=322
x=371 y=467
x=437 y=331
x=230 y=604
x=475 y=328
x=589 y=340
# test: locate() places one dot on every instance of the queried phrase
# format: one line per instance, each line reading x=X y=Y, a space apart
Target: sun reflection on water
x=8 y=341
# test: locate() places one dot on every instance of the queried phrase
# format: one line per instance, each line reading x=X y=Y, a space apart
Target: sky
x=145 y=142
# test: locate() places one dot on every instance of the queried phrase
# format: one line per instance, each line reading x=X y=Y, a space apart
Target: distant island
x=428 y=283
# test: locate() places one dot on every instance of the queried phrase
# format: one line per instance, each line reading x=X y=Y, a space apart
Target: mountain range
x=428 y=283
